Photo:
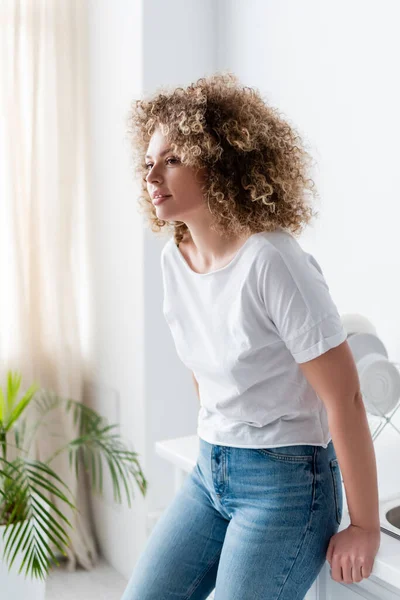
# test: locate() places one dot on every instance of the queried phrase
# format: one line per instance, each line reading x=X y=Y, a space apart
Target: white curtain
x=44 y=246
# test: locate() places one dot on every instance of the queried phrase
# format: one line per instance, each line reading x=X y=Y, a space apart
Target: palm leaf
x=25 y=481
x=13 y=385
x=19 y=433
x=100 y=443
x=2 y=408
x=94 y=443
x=20 y=407
x=23 y=505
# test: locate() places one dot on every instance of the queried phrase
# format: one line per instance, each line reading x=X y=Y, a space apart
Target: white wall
x=328 y=66
x=331 y=68
x=115 y=67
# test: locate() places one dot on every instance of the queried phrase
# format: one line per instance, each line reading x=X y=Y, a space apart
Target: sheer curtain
x=44 y=247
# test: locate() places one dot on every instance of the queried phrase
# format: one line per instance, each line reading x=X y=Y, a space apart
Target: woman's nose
x=153 y=175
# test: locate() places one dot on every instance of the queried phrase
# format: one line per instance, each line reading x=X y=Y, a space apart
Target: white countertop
x=183 y=453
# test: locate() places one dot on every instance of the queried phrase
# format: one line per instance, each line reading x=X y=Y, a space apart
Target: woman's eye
x=168 y=159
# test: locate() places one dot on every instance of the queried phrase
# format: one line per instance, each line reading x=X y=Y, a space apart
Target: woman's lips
x=160 y=199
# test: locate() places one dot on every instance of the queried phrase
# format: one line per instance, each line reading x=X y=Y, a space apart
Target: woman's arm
x=196 y=384
x=334 y=377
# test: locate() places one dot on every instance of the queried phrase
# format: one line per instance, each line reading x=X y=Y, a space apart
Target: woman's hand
x=351 y=553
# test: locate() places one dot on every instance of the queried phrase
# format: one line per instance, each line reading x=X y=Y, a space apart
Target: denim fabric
x=252 y=523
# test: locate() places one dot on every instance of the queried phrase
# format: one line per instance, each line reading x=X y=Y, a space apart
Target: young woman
x=252 y=317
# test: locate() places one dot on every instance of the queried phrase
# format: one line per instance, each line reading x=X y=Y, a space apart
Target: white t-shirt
x=243 y=329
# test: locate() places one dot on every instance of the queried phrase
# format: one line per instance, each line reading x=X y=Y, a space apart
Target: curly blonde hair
x=256 y=162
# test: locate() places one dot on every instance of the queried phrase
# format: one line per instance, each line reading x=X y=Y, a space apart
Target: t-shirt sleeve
x=299 y=304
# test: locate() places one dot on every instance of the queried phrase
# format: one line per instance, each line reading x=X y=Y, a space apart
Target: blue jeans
x=252 y=523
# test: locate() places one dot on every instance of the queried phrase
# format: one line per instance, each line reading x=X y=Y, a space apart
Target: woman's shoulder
x=165 y=251
x=280 y=242
x=167 y=246
x=281 y=251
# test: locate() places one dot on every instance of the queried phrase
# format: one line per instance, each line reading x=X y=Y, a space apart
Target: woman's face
x=167 y=175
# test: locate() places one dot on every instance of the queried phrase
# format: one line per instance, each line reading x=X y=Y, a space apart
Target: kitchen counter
x=182 y=452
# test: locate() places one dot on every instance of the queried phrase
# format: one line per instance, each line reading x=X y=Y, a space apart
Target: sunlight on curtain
x=44 y=245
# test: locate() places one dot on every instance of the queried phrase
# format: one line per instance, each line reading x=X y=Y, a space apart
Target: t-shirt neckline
x=229 y=264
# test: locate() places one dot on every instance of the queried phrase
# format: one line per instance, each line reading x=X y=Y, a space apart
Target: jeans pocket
x=337 y=488
x=296 y=453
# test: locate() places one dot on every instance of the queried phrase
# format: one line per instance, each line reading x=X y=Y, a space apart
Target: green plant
x=23 y=480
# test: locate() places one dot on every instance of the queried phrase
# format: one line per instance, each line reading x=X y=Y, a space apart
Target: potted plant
x=26 y=521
